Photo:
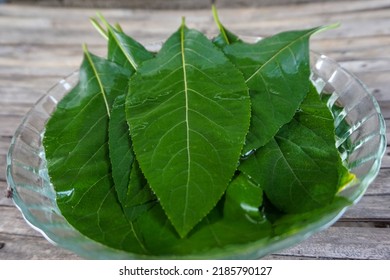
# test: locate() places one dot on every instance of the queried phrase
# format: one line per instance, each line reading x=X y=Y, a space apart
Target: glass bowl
x=360 y=138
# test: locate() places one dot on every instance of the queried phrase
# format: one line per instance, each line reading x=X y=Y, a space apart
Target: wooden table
x=39 y=45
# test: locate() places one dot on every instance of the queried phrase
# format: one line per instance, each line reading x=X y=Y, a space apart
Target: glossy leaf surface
x=129 y=181
x=243 y=199
x=217 y=230
x=220 y=231
x=124 y=50
x=225 y=37
x=188 y=111
x=288 y=224
x=220 y=40
x=299 y=169
x=139 y=196
x=121 y=152
x=77 y=153
x=276 y=70
x=128 y=53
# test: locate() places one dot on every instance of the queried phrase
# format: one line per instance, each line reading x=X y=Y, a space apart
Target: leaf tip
x=218 y=22
x=334 y=25
x=99 y=14
x=98 y=27
x=102 y=18
x=327 y=27
x=107 y=24
x=119 y=27
x=85 y=48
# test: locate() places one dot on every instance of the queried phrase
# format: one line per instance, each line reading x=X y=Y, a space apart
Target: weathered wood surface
x=162 y=4
x=38 y=46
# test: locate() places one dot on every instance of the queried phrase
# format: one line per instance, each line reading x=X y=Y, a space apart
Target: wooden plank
x=151 y=4
x=381 y=184
x=12 y=222
x=266 y=22
x=344 y=243
x=333 y=6
x=4 y=200
x=2 y=168
x=22 y=81
x=386 y=158
x=290 y=257
x=15 y=109
x=4 y=144
x=369 y=208
x=387 y=120
x=57 y=71
x=385 y=107
x=366 y=65
x=20 y=247
x=8 y=124
x=27 y=95
x=376 y=83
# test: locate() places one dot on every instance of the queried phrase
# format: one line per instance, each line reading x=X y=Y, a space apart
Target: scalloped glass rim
x=360 y=138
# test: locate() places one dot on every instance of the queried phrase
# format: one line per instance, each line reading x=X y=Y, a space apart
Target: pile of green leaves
x=205 y=145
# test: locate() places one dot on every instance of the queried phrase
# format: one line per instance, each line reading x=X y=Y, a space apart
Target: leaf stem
x=326 y=27
x=99 y=28
x=112 y=31
x=218 y=22
x=118 y=27
x=183 y=21
x=90 y=61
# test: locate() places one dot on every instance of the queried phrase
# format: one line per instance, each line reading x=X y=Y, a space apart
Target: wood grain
x=39 y=45
x=344 y=243
x=20 y=247
x=165 y=4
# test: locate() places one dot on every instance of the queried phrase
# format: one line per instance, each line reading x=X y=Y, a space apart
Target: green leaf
x=299 y=169
x=235 y=220
x=128 y=53
x=123 y=49
x=139 y=197
x=214 y=232
x=276 y=70
x=225 y=37
x=289 y=224
x=243 y=199
x=121 y=152
x=77 y=153
x=99 y=28
x=220 y=40
x=188 y=111
x=130 y=184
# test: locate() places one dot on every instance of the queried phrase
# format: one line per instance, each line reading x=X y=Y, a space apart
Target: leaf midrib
x=276 y=54
x=96 y=74
x=128 y=57
x=186 y=120
x=285 y=159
